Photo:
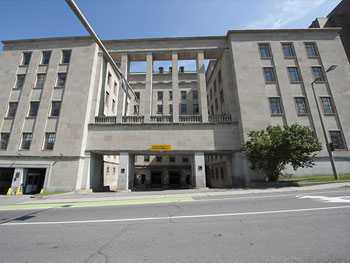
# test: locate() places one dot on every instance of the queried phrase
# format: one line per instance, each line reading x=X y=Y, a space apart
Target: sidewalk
x=165 y=194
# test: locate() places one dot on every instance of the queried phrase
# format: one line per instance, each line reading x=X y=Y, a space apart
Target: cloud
x=284 y=12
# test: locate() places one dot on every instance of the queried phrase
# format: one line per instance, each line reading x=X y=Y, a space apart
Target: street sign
x=160 y=147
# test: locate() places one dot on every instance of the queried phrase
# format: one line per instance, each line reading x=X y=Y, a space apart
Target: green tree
x=272 y=149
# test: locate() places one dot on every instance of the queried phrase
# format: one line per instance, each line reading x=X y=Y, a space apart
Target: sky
x=125 y=19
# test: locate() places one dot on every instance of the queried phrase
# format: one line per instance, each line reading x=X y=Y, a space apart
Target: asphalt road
x=289 y=227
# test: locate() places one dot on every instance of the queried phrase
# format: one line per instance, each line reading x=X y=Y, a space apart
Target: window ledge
x=266 y=58
x=59 y=87
x=303 y=114
x=16 y=88
x=63 y=64
x=289 y=57
x=23 y=66
x=277 y=114
x=9 y=118
x=296 y=82
x=31 y=117
x=313 y=57
x=52 y=117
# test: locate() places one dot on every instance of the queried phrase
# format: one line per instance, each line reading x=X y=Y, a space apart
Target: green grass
x=316 y=179
x=51 y=193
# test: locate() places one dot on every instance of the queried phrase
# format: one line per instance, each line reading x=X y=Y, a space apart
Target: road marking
x=327 y=199
x=90 y=204
x=176 y=217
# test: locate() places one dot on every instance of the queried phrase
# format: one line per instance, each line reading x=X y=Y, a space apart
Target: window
x=318 y=74
x=171 y=159
x=40 y=81
x=146 y=158
x=195 y=108
x=301 y=105
x=185 y=159
x=221 y=96
x=264 y=51
x=61 y=79
x=219 y=77
x=20 y=81
x=136 y=109
x=115 y=87
x=327 y=105
x=33 y=110
x=66 y=56
x=275 y=106
x=216 y=104
x=49 y=141
x=195 y=94
x=293 y=74
x=311 y=50
x=288 y=50
x=107 y=98
x=170 y=108
x=183 y=108
x=113 y=105
x=212 y=109
x=12 y=109
x=109 y=78
x=159 y=108
x=222 y=173
x=107 y=169
x=170 y=95
x=214 y=85
x=46 y=58
x=160 y=95
x=113 y=170
x=26 y=140
x=183 y=94
x=26 y=59
x=55 y=109
x=137 y=94
x=211 y=94
x=159 y=158
x=4 y=140
x=337 y=140
x=269 y=75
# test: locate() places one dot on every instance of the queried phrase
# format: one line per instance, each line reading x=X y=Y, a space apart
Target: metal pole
x=325 y=134
x=109 y=58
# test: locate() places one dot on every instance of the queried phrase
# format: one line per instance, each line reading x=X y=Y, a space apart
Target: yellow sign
x=161 y=148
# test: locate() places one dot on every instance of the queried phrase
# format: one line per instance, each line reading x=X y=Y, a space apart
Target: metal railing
x=162 y=119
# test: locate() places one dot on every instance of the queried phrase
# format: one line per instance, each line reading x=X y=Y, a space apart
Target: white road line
x=176 y=217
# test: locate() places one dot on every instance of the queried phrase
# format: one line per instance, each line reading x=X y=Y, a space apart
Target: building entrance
x=35 y=181
x=156 y=177
x=6 y=175
x=174 y=178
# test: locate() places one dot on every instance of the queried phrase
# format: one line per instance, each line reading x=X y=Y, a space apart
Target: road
x=308 y=226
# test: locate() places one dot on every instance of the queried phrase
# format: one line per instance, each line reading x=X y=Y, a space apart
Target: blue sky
x=122 y=19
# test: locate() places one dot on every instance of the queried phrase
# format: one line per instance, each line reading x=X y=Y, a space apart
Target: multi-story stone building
x=68 y=122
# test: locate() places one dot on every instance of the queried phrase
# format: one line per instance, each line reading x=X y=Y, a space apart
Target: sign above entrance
x=160 y=147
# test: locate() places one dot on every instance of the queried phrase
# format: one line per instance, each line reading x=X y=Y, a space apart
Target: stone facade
x=102 y=131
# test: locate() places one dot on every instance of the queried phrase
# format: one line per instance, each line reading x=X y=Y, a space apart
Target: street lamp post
x=331 y=158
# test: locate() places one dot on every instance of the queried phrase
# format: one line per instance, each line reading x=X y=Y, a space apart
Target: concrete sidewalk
x=165 y=194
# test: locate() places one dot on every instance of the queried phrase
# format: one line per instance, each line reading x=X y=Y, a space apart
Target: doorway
x=156 y=179
x=174 y=178
x=35 y=181
x=6 y=175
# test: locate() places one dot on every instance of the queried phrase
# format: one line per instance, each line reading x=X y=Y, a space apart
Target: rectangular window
x=109 y=78
x=146 y=158
x=221 y=96
x=293 y=74
x=26 y=58
x=159 y=158
x=183 y=94
x=216 y=104
x=113 y=105
x=318 y=74
x=183 y=108
x=214 y=85
x=170 y=108
x=269 y=75
x=311 y=50
x=220 y=77
x=337 y=140
x=212 y=109
x=264 y=51
x=26 y=140
x=33 y=110
x=137 y=94
x=172 y=159
x=4 y=140
x=185 y=159
x=66 y=56
x=46 y=58
x=107 y=98
x=12 y=109
x=211 y=94
x=159 y=108
x=49 y=141
x=288 y=50
x=160 y=95
x=170 y=95
x=61 y=79
x=301 y=105
x=135 y=109
x=40 y=81
x=20 y=81
x=195 y=108
x=115 y=87
x=327 y=105
x=55 y=109
x=195 y=94
x=275 y=106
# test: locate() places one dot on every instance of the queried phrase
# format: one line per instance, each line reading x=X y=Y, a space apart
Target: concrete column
x=201 y=84
x=122 y=95
x=165 y=178
x=17 y=180
x=175 y=87
x=148 y=88
x=93 y=166
x=229 y=172
x=198 y=167
x=125 y=171
x=240 y=171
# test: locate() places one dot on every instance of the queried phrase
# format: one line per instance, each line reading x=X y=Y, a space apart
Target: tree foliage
x=272 y=149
